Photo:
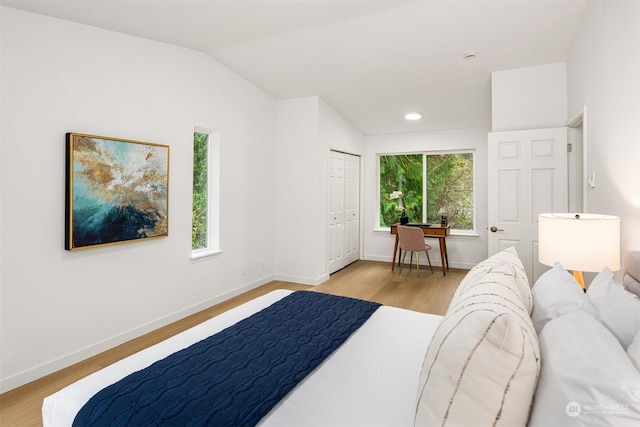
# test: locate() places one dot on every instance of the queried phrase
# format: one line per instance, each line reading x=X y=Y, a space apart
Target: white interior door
x=344 y=210
x=527 y=176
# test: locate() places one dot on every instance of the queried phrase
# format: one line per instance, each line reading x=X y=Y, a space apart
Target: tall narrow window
x=427 y=186
x=199 y=223
x=204 y=223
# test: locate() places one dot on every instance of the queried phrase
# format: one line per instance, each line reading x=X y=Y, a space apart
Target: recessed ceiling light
x=469 y=56
x=413 y=116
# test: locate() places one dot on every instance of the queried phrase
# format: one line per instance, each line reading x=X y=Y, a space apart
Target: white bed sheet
x=371 y=380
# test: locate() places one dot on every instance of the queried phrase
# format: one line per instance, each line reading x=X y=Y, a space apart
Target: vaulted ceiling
x=373 y=61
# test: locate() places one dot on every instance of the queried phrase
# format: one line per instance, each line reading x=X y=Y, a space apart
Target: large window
x=204 y=223
x=427 y=186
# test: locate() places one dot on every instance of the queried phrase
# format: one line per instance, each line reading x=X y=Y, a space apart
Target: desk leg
x=395 y=250
x=443 y=255
x=446 y=252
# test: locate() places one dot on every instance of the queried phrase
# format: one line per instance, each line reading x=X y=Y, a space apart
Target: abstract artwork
x=117 y=191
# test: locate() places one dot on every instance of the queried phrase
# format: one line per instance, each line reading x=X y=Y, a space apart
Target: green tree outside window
x=448 y=183
x=200 y=190
x=400 y=173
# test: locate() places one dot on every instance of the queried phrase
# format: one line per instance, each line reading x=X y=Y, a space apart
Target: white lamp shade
x=589 y=243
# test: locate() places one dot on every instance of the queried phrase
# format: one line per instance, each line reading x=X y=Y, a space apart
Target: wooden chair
x=411 y=239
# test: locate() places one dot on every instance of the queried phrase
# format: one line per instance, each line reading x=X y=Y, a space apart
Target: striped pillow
x=482 y=365
x=509 y=258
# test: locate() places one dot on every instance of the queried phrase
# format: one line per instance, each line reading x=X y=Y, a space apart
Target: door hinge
x=569 y=147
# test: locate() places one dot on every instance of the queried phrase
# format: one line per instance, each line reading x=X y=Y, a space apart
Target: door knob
x=494 y=228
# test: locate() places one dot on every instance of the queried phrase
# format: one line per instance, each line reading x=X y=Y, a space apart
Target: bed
x=386 y=354
x=499 y=356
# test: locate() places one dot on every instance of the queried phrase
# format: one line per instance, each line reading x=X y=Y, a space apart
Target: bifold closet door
x=344 y=210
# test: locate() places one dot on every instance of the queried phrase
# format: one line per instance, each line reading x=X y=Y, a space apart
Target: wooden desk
x=434 y=230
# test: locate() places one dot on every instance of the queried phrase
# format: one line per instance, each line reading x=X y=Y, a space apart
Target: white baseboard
x=434 y=261
x=302 y=280
x=74 y=357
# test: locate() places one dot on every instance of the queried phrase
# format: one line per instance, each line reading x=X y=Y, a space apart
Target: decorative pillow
x=497 y=284
x=586 y=377
x=507 y=257
x=555 y=293
x=482 y=364
x=618 y=309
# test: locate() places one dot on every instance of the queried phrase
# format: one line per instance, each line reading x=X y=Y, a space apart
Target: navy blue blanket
x=235 y=377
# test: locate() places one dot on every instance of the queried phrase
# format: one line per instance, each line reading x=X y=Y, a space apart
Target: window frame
x=213 y=195
x=472 y=151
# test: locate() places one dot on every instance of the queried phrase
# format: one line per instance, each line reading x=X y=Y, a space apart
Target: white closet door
x=351 y=209
x=336 y=211
x=527 y=177
x=344 y=210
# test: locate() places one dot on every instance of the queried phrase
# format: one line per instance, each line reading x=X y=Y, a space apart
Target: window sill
x=204 y=254
x=470 y=233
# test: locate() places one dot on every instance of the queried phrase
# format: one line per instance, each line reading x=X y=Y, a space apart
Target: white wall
x=603 y=72
x=307 y=129
x=58 y=307
x=298 y=181
x=529 y=98
x=464 y=251
x=337 y=133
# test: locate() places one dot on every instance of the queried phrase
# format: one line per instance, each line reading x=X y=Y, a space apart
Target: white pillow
x=482 y=364
x=634 y=351
x=556 y=293
x=586 y=378
x=618 y=309
x=501 y=279
x=497 y=262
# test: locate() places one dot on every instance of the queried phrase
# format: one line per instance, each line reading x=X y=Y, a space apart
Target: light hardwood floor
x=373 y=281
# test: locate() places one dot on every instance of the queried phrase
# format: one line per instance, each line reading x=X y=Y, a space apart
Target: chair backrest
x=411 y=238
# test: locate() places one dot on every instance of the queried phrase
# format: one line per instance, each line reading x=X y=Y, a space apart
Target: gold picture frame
x=117 y=190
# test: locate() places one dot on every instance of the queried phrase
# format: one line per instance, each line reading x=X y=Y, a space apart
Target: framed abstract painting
x=117 y=191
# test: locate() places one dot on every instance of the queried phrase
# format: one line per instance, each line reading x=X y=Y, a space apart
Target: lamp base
x=579 y=278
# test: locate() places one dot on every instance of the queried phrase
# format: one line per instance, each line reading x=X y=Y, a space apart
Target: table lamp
x=580 y=242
